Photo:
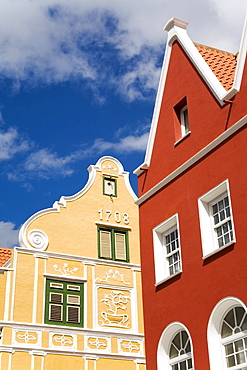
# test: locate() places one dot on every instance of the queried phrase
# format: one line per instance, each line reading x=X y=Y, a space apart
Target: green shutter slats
x=120 y=246
x=105 y=244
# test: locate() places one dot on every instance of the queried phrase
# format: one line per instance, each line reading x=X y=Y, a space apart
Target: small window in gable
x=181 y=120
x=109 y=186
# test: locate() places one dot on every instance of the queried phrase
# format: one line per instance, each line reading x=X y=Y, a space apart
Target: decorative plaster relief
x=62 y=340
x=95 y=343
x=38 y=239
x=129 y=346
x=114 y=308
x=113 y=277
x=65 y=270
x=110 y=167
x=26 y=337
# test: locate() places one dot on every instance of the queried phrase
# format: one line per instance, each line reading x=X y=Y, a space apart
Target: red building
x=193 y=201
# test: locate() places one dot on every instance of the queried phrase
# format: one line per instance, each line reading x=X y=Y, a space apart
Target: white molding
x=86 y=260
x=85 y=354
x=194 y=159
x=65 y=278
x=115 y=226
x=177 y=31
x=72 y=330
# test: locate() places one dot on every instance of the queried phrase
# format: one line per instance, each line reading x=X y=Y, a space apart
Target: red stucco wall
x=191 y=296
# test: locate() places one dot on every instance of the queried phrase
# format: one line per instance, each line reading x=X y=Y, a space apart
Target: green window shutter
x=105 y=244
x=120 y=246
x=64 y=303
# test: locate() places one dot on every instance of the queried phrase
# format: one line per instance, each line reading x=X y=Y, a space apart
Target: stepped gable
x=222 y=63
x=5 y=255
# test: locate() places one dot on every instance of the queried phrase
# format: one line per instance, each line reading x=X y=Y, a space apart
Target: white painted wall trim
x=48 y=351
x=86 y=260
x=122 y=334
x=190 y=162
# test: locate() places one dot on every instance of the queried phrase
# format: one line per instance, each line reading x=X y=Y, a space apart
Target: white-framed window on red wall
x=167 y=249
x=175 y=350
x=216 y=219
x=227 y=335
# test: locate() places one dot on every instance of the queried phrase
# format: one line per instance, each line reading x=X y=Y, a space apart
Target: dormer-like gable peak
x=222 y=63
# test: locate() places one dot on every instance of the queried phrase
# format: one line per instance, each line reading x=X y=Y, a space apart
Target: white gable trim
x=177 y=31
x=64 y=199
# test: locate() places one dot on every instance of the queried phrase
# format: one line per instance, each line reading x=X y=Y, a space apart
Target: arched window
x=180 y=352
x=175 y=349
x=234 y=337
x=227 y=335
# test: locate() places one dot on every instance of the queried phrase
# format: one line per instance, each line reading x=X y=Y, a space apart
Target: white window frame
x=184 y=123
x=160 y=256
x=215 y=345
x=163 y=358
x=208 y=236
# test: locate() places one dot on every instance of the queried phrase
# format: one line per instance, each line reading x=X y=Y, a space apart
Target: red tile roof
x=5 y=255
x=222 y=63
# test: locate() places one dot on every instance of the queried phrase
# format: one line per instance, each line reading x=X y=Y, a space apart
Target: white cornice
x=73 y=330
x=177 y=31
x=190 y=162
x=86 y=260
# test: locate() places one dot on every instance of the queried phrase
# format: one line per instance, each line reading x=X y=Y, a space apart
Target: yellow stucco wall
x=112 y=305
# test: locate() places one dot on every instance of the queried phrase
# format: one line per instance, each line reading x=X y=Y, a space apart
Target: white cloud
x=11 y=143
x=8 y=235
x=125 y=145
x=46 y=164
x=51 y=41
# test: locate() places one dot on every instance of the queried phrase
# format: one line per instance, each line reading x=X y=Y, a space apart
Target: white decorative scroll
x=130 y=346
x=38 y=239
x=109 y=167
x=29 y=338
x=67 y=341
x=113 y=275
x=115 y=301
x=98 y=343
x=65 y=269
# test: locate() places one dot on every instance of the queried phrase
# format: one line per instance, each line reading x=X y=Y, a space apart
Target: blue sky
x=78 y=80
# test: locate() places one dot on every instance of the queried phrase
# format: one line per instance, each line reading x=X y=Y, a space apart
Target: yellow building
x=70 y=296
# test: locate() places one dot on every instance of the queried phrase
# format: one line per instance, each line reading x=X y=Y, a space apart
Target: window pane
x=73 y=314
x=56 y=298
x=105 y=244
x=55 y=312
x=73 y=299
x=120 y=246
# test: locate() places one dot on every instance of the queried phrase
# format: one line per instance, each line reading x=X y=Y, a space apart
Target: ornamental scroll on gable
x=69 y=227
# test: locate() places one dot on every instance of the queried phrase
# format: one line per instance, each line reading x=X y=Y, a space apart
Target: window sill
x=167 y=278
x=218 y=250
x=182 y=138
